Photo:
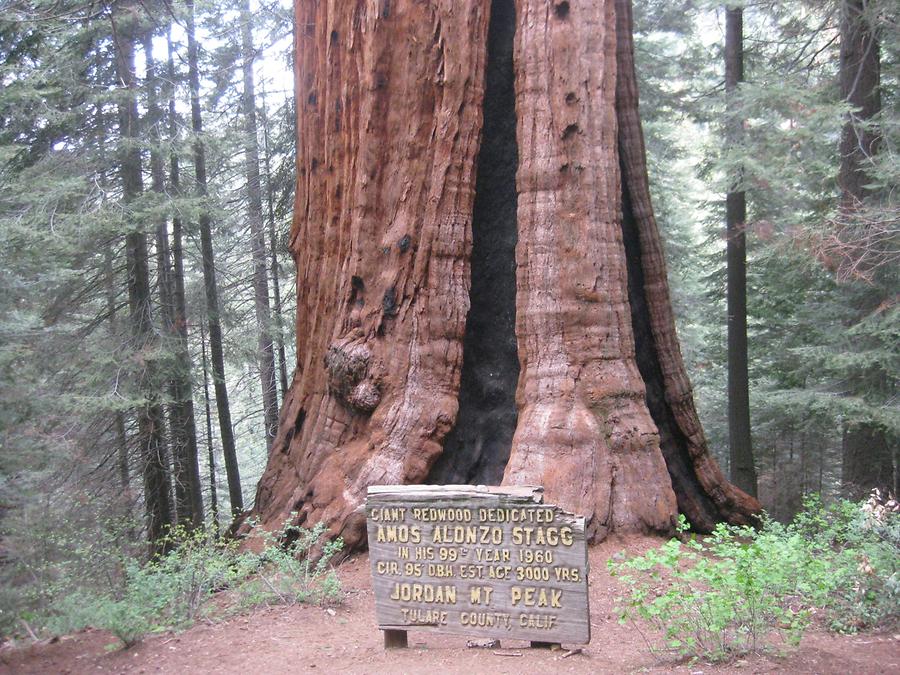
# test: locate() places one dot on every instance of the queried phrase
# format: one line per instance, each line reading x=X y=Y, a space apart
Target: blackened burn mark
x=389 y=302
x=298 y=423
x=403 y=244
x=312 y=99
x=477 y=449
x=672 y=441
x=570 y=131
x=356 y=290
x=561 y=9
x=294 y=430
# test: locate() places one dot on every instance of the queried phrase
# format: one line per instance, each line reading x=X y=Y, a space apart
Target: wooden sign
x=475 y=560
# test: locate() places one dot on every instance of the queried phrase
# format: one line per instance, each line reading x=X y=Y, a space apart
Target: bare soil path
x=345 y=640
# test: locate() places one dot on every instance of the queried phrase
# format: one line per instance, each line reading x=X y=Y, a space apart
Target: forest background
x=146 y=289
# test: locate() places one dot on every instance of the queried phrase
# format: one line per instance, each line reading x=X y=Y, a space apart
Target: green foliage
x=859 y=549
x=715 y=599
x=743 y=590
x=173 y=590
x=51 y=559
x=69 y=368
x=170 y=591
x=292 y=570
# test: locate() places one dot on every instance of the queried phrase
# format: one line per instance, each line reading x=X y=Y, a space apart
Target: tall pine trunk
x=867 y=453
x=210 y=448
x=118 y=416
x=860 y=80
x=743 y=471
x=120 y=435
x=209 y=278
x=150 y=422
x=265 y=351
x=273 y=253
x=393 y=247
x=182 y=427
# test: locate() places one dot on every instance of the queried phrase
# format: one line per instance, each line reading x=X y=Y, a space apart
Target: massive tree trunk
x=584 y=392
x=703 y=494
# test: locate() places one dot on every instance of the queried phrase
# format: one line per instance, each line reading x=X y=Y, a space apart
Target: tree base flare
x=383 y=240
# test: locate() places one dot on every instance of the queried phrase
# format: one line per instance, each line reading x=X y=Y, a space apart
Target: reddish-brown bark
x=704 y=495
x=584 y=430
x=389 y=98
x=389 y=116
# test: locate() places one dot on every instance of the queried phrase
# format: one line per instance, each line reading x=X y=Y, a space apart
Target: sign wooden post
x=474 y=560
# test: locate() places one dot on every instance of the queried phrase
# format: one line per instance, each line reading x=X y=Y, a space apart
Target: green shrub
x=170 y=591
x=714 y=599
x=129 y=615
x=743 y=590
x=175 y=589
x=859 y=545
x=291 y=569
x=51 y=564
x=197 y=566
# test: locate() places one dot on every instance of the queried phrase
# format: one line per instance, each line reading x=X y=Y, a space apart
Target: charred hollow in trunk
x=477 y=448
x=384 y=222
x=689 y=493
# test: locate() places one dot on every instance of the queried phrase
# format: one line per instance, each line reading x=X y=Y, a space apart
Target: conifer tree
x=210 y=283
x=150 y=420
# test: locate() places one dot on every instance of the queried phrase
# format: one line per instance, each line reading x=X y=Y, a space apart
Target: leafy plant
x=175 y=589
x=293 y=570
x=714 y=599
x=743 y=590
x=860 y=545
x=168 y=591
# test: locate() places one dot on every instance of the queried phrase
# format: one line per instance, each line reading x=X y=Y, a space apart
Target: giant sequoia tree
x=482 y=294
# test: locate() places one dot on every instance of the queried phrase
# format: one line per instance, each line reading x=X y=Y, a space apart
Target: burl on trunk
x=566 y=372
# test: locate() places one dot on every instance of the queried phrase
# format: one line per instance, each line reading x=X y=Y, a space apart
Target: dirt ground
x=345 y=640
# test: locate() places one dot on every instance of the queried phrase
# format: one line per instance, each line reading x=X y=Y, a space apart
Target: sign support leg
x=545 y=645
x=395 y=639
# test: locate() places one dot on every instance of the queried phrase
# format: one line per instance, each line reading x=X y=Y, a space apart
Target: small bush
x=708 y=605
x=53 y=564
x=290 y=571
x=859 y=545
x=175 y=589
x=743 y=590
